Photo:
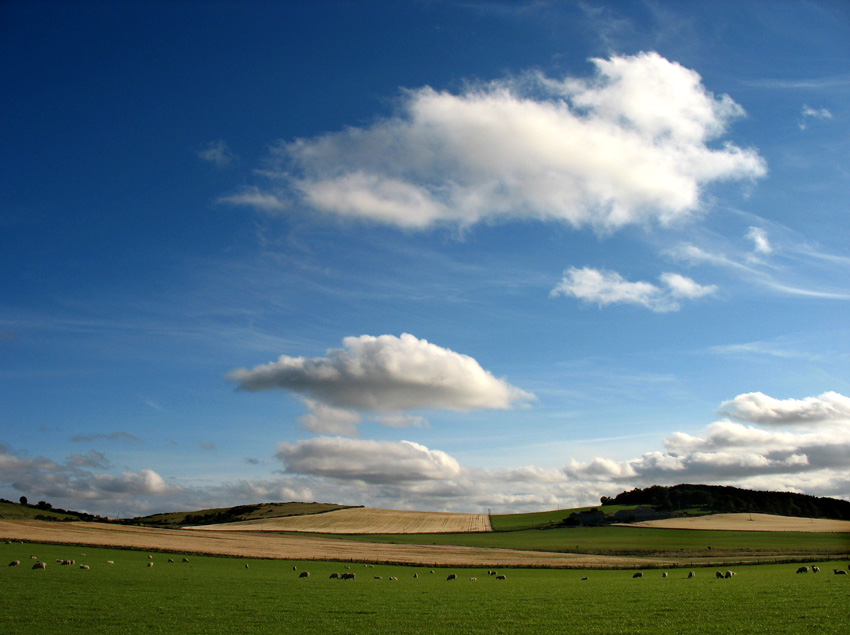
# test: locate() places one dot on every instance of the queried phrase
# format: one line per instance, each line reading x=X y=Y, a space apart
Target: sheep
x=473 y=579
x=109 y=562
x=40 y=565
x=15 y=563
x=295 y=568
x=185 y=559
x=246 y=565
x=729 y=574
x=33 y=558
x=377 y=577
x=718 y=574
x=415 y=575
x=150 y=557
x=150 y=564
x=663 y=574
x=584 y=577
x=171 y=560
x=639 y=574
x=393 y=579
x=692 y=574
x=452 y=576
x=348 y=576
x=84 y=566
x=501 y=577
x=304 y=574
x=839 y=572
x=334 y=576
x=815 y=569
x=803 y=570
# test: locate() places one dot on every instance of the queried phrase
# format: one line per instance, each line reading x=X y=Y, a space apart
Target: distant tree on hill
x=23 y=500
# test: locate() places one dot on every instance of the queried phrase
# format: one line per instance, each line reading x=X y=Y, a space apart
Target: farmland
x=366 y=521
x=220 y=595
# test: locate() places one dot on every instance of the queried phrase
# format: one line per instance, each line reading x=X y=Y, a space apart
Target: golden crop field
x=365 y=520
x=750 y=522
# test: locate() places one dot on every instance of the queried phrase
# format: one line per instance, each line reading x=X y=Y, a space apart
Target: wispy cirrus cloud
x=609 y=287
x=630 y=145
x=218 y=153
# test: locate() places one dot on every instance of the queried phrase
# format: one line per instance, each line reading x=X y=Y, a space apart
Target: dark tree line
x=719 y=498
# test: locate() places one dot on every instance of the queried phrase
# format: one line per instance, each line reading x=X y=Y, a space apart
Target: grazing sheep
x=393 y=579
x=415 y=575
x=347 y=567
x=15 y=563
x=692 y=574
x=109 y=562
x=639 y=574
x=729 y=574
x=815 y=569
x=40 y=565
x=150 y=564
x=718 y=574
x=171 y=559
x=584 y=577
x=348 y=576
x=334 y=576
x=664 y=574
x=803 y=570
x=185 y=559
x=295 y=568
x=473 y=579
x=33 y=558
x=839 y=572
x=246 y=565
x=150 y=557
x=431 y=571
x=452 y=576
x=304 y=574
x=377 y=577
x=84 y=566
x=501 y=577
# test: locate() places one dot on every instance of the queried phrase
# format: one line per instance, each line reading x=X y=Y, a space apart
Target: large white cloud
x=370 y=461
x=632 y=144
x=757 y=407
x=609 y=287
x=386 y=374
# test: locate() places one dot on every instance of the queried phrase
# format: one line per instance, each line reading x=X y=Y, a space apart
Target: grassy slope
x=541 y=520
x=14 y=511
x=219 y=595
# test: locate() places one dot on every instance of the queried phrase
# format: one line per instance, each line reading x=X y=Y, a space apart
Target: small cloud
x=252 y=461
x=761 y=243
x=325 y=419
x=112 y=436
x=92 y=459
x=218 y=153
x=207 y=446
x=812 y=113
x=609 y=287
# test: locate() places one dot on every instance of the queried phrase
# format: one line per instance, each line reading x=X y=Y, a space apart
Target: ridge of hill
x=728 y=499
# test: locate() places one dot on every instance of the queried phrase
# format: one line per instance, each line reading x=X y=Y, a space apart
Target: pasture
x=214 y=595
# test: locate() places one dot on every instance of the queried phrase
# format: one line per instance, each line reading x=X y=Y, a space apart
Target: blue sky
x=434 y=255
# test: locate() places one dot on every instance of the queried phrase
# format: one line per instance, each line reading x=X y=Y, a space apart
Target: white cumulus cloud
x=632 y=144
x=386 y=374
x=365 y=460
x=756 y=407
x=609 y=287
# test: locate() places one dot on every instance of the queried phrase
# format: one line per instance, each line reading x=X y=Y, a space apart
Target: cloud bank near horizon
x=633 y=144
x=785 y=444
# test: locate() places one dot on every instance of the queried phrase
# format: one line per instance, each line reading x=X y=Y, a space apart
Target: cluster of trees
x=718 y=498
x=45 y=506
x=210 y=517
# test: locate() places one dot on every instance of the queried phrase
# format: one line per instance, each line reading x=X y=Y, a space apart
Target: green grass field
x=219 y=595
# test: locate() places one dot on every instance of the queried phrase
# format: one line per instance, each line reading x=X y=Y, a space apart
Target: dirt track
x=292 y=547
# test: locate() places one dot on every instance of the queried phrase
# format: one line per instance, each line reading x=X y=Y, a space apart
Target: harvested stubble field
x=749 y=522
x=364 y=520
x=303 y=547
